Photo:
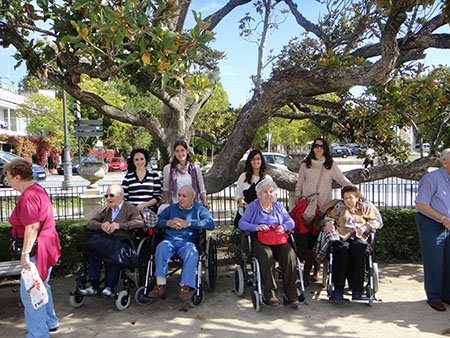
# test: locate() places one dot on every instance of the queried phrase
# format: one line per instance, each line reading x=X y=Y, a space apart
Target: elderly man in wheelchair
x=347 y=226
x=112 y=224
x=182 y=223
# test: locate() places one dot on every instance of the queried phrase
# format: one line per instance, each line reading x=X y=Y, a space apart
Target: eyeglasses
x=317 y=145
x=109 y=195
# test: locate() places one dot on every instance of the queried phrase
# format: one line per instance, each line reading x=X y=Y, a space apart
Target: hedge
x=396 y=241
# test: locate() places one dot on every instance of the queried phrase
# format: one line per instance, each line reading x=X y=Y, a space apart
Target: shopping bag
x=34 y=286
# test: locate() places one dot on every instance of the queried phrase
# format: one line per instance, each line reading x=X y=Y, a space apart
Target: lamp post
x=67 y=162
x=269 y=137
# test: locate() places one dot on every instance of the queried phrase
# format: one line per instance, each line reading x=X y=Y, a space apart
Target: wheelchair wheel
x=198 y=299
x=256 y=300
x=76 y=301
x=140 y=298
x=211 y=273
x=144 y=254
x=123 y=300
x=238 y=281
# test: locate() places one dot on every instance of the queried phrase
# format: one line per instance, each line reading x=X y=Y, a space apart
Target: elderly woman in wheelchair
x=269 y=222
x=348 y=227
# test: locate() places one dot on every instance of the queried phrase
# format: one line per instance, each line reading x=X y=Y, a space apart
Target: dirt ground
x=400 y=311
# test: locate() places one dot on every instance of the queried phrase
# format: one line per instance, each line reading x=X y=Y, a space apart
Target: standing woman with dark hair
x=141 y=187
x=315 y=179
x=32 y=219
x=255 y=173
x=180 y=172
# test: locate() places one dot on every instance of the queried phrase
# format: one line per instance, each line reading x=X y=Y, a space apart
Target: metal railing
x=67 y=204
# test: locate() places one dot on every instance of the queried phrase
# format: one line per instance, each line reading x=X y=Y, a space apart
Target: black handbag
x=119 y=250
x=17 y=245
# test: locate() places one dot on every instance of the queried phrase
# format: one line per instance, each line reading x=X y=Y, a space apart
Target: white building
x=10 y=124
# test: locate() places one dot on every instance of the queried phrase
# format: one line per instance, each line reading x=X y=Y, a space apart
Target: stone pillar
x=92 y=202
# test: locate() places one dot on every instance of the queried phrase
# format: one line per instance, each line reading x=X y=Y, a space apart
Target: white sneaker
x=107 y=292
x=90 y=291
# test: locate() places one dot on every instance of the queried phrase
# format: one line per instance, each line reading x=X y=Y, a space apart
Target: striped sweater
x=137 y=192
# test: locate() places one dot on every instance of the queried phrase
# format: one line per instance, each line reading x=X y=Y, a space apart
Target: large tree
x=355 y=43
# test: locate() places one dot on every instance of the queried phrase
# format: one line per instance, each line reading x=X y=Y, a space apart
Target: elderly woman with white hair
x=270 y=222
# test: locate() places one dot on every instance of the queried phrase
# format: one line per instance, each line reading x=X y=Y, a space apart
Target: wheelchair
x=371 y=274
x=206 y=269
x=248 y=273
x=128 y=277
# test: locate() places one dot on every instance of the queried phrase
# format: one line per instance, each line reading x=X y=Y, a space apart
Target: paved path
x=400 y=312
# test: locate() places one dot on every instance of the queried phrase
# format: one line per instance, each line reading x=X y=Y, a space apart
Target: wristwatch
x=188 y=224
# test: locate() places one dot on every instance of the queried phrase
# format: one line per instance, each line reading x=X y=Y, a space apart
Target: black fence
x=67 y=203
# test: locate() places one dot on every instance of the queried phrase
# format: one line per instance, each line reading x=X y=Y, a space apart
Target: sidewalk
x=400 y=312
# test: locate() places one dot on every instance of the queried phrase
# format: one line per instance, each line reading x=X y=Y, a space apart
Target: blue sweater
x=254 y=216
x=198 y=215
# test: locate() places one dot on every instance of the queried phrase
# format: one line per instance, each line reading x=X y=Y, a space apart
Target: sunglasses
x=109 y=195
x=317 y=145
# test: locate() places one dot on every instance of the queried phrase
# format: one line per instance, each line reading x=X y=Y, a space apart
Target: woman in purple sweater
x=260 y=215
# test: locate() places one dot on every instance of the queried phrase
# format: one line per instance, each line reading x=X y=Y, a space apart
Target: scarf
x=179 y=169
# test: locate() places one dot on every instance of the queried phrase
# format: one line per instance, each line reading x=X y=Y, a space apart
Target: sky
x=240 y=61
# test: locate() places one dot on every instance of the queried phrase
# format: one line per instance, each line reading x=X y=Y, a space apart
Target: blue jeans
x=41 y=320
x=435 y=242
x=188 y=253
x=112 y=272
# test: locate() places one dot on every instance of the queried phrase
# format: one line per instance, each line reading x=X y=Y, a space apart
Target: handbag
x=271 y=236
x=118 y=250
x=16 y=245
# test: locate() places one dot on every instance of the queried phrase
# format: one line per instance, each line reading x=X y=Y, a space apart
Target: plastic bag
x=35 y=287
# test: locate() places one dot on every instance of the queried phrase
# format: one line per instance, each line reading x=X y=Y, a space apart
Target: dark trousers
x=348 y=263
x=435 y=242
x=112 y=273
x=287 y=258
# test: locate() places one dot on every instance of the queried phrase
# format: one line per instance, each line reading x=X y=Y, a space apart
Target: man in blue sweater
x=182 y=222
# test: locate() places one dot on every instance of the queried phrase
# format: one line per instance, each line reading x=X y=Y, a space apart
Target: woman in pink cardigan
x=315 y=179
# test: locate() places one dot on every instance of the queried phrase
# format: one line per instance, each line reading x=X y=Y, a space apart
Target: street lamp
x=67 y=162
x=269 y=137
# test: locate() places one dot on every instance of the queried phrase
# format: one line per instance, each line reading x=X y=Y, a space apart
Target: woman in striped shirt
x=141 y=187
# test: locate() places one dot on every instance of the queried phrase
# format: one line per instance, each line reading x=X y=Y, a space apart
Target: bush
x=398 y=240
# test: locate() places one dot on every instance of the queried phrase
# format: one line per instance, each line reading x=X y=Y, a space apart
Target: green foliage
x=133 y=35
x=215 y=119
x=398 y=240
x=45 y=119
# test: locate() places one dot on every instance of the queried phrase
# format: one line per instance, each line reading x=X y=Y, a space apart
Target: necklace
x=266 y=210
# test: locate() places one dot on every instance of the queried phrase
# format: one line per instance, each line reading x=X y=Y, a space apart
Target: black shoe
x=437 y=305
x=53 y=329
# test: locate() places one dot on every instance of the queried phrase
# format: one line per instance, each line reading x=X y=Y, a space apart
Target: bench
x=10 y=268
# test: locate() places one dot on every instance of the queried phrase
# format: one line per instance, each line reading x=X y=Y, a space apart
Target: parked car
x=38 y=172
x=117 y=163
x=425 y=147
x=275 y=159
x=75 y=164
x=354 y=148
x=340 y=152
